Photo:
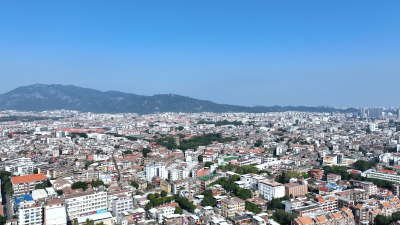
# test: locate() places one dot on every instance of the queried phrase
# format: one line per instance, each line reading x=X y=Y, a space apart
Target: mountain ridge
x=44 y=97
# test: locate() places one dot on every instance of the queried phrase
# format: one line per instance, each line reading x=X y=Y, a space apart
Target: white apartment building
x=80 y=204
x=155 y=171
x=30 y=213
x=177 y=174
x=122 y=203
x=55 y=216
x=382 y=174
x=271 y=189
x=19 y=167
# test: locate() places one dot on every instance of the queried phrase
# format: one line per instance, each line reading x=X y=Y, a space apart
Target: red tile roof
x=28 y=178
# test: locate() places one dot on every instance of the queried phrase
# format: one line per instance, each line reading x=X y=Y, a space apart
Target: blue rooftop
x=22 y=198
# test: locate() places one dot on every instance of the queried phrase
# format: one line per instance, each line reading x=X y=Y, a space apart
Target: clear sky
x=313 y=52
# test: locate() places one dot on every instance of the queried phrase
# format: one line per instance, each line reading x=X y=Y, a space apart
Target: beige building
x=231 y=206
x=165 y=186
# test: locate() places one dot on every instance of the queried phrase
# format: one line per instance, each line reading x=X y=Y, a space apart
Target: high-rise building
x=398 y=114
x=155 y=171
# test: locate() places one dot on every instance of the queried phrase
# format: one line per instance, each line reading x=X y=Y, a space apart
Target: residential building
x=229 y=207
x=81 y=204
x=269 y=189
x=296 y=189
x=23 y=185
x=155 y=171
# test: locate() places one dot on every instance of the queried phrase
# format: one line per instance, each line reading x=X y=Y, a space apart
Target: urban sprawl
x=67 y=167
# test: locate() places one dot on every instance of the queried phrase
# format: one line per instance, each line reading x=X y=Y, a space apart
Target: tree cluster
x=239 y=169
x=79 y=185
x=208 y=199
x=221 y=123
x=386 y=220
x=76 y=134
x=96 y=183
x=276 y=203
x=230 y=186
x=194 y=142
x=156 y=200
x=145 y=151
x=252 y=207
x=284 y=218
x=287 y=175
x=42 y=185
x=5 y=179
x=363 y=165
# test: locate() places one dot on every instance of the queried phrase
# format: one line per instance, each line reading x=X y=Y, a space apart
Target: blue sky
x=331 y=52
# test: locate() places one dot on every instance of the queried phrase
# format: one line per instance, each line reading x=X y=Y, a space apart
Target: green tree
x=178 y=210
x=252 y=207
x=208 y=199
x=145 y=152
x=134 y=184
x=381 y=220
x=79 y=185
x=244 y=193
x=87 y=164
x=395 y=216
x=284 y=218
x=60 y=192
x=42 y=185
x=258 y=143
x=9 y=188
x=200 y=158
x=96 y=183
x=362 y=165
x=163 y=193
x=149 y=205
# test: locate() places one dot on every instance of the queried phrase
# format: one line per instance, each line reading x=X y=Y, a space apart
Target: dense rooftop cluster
x=60 y=167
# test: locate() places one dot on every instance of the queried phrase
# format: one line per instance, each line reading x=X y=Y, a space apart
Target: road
x=8 y=211
x=116 y=167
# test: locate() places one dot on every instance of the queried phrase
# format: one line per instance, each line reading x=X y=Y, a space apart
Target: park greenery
x=194 y=142
x=221 y=123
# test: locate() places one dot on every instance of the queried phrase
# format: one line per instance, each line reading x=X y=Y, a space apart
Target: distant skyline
x=311 y=53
